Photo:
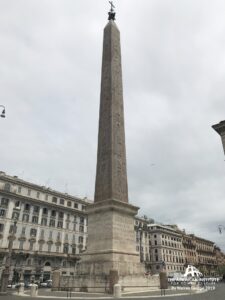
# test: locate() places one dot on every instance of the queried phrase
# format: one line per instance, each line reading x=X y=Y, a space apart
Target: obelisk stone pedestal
x=111 y=240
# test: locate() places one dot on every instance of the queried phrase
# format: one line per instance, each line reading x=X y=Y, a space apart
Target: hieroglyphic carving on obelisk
x=111 y=173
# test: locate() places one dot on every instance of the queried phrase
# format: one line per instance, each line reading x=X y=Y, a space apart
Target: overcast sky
x=173 y=57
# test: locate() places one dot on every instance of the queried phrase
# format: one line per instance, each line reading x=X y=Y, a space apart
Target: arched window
x=47 y=264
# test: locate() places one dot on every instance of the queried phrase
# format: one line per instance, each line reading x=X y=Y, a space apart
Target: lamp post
x=140 y=241
x=3 y=111
x=6 y=271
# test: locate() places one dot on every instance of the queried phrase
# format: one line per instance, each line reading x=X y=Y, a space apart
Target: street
x=218 y=294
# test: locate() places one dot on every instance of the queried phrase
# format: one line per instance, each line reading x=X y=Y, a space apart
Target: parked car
x=13 y=286
x=43 y=284
x=47 y=283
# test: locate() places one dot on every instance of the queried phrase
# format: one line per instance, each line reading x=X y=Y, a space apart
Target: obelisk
x=111 y=174
x=111 y=237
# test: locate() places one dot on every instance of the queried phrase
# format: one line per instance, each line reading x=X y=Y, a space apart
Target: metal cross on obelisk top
x=111 y=13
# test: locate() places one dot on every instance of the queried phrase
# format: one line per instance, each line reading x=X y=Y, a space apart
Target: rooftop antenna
x=112 y=13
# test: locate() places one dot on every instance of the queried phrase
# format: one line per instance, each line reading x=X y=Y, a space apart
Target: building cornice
x=43 y=189
x=41 y=202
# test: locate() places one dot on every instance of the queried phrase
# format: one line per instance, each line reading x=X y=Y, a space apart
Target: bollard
x=117 y=291
x=33 y=290
x=21 y=288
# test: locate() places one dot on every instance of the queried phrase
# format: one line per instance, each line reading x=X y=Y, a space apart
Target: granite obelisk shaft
x=111 y=173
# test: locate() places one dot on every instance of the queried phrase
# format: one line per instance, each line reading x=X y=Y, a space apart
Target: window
x=61 y=201
x=7 y=187
x=58 y=236
x=23 y=230
x=35 y=219
x=81 y=239
x=33 y=232
x=69 y=203
x=31 y=245
x=61 y=215
x=5 y=202
x=66 y=248
x=54 y=199
x=36 y=209
x=1 y=227
x=66 y=237
x=21 y=245
x=67 y=225
x=17 y=204
x=52 y=223
x=50 y=234
x=25 y=218
x=42 y=233
x=73 y=250
x=73 y=238
x=82 y=220
x=38 y=195
x=83 y=207
x=57 y=248
x=19 y=189
x=81 y=228
x=28 y=192
x=45 y=211
x=41 y=247
x=46 y=197
x=64 y=264
x=53 y=214
x=15 y=215
x=2 y=212
x=155 y=242
x=49 y=247
x=75 y=205
x=44 y=221
x=27 y=207
x=60 y=224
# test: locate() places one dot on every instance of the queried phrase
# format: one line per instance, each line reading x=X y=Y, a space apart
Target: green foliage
x=221 y=270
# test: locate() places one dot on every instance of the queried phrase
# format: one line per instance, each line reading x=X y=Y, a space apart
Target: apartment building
x=206 y=257
x=166 y=247
x=160 y=246
x=51 y=229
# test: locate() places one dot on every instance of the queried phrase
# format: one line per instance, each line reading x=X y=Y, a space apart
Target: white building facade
x=51 y=229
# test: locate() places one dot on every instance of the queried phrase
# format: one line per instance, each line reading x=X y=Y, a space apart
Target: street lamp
x=140 y=241
x=3 y=111
x=6 y=271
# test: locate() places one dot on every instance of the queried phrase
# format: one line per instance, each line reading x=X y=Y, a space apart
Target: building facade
x=51 y=233
x=51 y=229
x=166 y=247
